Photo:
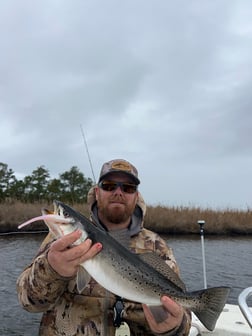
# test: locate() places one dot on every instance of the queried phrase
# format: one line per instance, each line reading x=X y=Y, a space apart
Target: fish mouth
x=56 y=207
x=59 y=209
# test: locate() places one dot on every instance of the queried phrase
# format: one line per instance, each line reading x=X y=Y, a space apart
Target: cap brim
x=134 y=178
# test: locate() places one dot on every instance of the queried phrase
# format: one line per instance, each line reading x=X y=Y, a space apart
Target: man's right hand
x=65 y=258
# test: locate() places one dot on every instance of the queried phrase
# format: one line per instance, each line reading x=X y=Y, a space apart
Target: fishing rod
x=89 y=159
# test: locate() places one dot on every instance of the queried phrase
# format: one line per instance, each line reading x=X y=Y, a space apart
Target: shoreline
x=161 y=219
x=6 y=230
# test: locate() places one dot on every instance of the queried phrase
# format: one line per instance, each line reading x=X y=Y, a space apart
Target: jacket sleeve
x=39 y=286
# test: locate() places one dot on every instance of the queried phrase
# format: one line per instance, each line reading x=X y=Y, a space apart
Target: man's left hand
x=165 y=318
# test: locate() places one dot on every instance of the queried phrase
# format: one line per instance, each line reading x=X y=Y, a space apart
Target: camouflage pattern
x=119 y=165
x=67 y=313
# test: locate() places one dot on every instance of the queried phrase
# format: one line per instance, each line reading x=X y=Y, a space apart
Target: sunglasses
x=111 y=186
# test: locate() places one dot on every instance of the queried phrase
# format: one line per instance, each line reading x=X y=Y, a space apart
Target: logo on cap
x=121 y=165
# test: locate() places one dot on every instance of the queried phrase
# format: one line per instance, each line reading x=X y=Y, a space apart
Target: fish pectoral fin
x=83 y=279
x=156 y=262
x=159 y=313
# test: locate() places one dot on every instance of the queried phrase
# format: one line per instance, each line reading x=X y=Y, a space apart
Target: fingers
x=75 y=252
x=64 y=257
x=91 y=252
x=159 y=313
x=64 y=242
x=171 y=306
x=165 y=318
x=149 y=317
x=82 y=252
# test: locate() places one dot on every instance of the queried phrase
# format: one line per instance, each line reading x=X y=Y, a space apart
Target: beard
x=115 y=213
x=116 y=217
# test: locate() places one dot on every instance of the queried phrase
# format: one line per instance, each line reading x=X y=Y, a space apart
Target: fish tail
x=213 y=300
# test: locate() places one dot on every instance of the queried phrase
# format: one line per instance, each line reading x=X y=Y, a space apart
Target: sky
x=166 y=85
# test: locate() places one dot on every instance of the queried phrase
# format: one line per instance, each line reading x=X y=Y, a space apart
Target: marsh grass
x=14 y=214
x=172 y=220
x=183 y=220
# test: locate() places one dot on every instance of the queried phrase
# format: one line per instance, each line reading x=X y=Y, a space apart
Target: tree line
x=71 y=186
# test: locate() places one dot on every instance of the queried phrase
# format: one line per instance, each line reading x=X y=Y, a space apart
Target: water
x=16 y=252
x=228 y=262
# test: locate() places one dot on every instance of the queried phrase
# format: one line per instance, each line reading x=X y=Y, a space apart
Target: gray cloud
x=166 y=85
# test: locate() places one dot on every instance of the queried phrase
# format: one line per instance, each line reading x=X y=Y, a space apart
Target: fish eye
x=65 y=214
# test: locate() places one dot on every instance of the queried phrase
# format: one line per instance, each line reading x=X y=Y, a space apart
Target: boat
x=234 y=320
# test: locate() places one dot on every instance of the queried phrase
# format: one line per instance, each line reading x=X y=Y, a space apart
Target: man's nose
x=118 y=190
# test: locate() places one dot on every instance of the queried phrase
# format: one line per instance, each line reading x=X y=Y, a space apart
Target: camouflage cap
x=120 y=166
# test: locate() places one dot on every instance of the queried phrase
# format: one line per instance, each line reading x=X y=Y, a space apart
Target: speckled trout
x=140 y=278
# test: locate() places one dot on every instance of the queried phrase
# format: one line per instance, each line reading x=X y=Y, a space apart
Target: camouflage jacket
x=68 y=313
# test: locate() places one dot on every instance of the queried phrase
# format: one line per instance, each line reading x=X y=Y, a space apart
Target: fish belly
x=120 y=284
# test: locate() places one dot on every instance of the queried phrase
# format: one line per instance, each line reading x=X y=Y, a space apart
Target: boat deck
x=230 y=323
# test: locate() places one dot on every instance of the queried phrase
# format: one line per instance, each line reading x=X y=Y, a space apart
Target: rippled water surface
x=228 y=262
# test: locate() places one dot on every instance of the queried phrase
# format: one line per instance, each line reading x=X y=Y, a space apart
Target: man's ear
x=96 y=191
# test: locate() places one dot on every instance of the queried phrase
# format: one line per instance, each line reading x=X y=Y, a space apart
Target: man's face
x=116 y=206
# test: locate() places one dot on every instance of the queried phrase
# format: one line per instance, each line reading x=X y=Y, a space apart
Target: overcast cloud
x=166 y=85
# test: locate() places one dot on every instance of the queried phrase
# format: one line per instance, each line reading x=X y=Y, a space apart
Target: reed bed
x=13 y=214
x=183 y=220
x=172 y=220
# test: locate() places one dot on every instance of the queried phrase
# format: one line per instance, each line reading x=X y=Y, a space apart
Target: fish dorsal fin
x=162 y=267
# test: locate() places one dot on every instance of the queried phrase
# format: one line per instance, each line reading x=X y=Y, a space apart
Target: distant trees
x=71 y=186
x=7 y=181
